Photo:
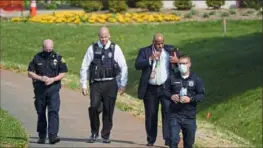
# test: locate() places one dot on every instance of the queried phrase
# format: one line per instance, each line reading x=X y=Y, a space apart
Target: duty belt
x=104 y=79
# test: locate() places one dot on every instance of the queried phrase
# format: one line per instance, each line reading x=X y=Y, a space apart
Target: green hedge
x=150 y=5
x=215 y=4
x=255 y=4
x=90 y=6
x=183 y=4
x=117 y=6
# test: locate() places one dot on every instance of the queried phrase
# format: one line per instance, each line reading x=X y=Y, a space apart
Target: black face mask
x=46 y=54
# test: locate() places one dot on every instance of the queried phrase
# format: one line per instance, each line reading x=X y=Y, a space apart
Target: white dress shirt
x=164 y=63
x=118 y=57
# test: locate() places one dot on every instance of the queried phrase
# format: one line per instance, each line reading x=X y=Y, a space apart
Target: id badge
x=152 y=74
x=183 y=92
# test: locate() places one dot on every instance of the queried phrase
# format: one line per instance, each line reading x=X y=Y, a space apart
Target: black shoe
x=93 y=138
x=149 y=144
x=167 y=142
x=41 y=141
x=54 y=140
x=105 y=140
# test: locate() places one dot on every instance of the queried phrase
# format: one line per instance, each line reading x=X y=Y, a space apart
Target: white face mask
x=182 y=68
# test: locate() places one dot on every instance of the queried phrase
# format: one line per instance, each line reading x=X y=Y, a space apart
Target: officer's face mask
x=183 y=68
x=46 y=53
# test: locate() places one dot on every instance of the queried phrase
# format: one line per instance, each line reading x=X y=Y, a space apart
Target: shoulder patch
x=62 y=60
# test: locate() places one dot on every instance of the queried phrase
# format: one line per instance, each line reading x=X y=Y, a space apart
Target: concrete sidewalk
x=17 y=98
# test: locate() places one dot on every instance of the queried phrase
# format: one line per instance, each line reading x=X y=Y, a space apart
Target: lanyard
x=157 y=62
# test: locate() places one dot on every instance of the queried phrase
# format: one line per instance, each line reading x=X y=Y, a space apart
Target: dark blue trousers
x=188 y=127
x=51 y=101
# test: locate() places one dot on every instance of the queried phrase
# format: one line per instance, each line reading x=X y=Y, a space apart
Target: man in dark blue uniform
x=47 y=69
x=185 y=89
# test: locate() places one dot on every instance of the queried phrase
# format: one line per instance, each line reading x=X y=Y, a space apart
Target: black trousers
x=102 y=99
x=154 y=96
x=51 y=101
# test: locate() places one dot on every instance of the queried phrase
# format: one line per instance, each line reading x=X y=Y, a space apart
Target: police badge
x=110 y=54
x=55 y=62
x=191 y=83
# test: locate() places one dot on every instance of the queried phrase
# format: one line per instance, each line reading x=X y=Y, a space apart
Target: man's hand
x=185 y=99
x=174 y=58
x=49 y=81
x=121 y=90
x=44 y=78
x=84 y=92
x=155 y=55
x=175 y=98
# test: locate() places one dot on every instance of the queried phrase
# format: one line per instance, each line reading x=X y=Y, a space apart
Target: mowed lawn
x=230 y=64
x=12 y=132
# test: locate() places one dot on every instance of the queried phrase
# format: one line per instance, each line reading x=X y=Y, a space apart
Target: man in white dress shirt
x=104 y=66
x=155 y=61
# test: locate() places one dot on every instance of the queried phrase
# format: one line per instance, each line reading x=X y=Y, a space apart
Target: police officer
x=185 y=89
x=105 y=67
x=46 y=70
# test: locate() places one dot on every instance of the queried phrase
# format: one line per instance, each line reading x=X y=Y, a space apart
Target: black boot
x=41 y=141
x=104 y=140
x=93 y=138
x=54 y=140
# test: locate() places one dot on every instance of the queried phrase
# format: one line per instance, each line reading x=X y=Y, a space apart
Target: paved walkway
x=17 y=98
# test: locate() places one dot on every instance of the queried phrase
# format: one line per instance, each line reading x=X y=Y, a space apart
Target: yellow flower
x=112 y=20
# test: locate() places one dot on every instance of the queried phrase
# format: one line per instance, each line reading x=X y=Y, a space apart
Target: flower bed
x=93 y=18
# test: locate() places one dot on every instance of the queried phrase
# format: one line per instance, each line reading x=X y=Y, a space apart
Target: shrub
x=188 y=15
x=150 y=5
x=224 y=14
x=232 y=12
x=212 y=13
x=177 y=13
x=131 y=3
x=90 y=6
x=215 y=4
x=205 y=15
x=255 y=4
x=51 y=6
x=260 y=12
x=117 y=6
x=247 y=13
x=75 y=3
x=193 y=12
x=183 y=4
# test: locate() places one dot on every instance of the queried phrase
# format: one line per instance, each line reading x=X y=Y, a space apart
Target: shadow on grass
x=14 y=138
x=228 y=66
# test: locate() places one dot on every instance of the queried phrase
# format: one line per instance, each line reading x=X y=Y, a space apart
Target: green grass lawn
x=230 y=64
x=12 y=132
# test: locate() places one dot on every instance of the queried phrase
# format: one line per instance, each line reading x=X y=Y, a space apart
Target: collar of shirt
x=187 y=76
x=106 y=46
x=162 y=53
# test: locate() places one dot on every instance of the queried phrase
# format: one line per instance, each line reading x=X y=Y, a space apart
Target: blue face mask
x=182 y=68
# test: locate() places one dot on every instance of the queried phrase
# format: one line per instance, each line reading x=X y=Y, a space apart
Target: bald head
x=104 y=35
x=158 y=41
x=158 y=36
x=48 y=45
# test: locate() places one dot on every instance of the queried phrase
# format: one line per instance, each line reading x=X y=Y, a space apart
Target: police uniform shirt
x=118 y=57
x=47 y=65
x=194 y=89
